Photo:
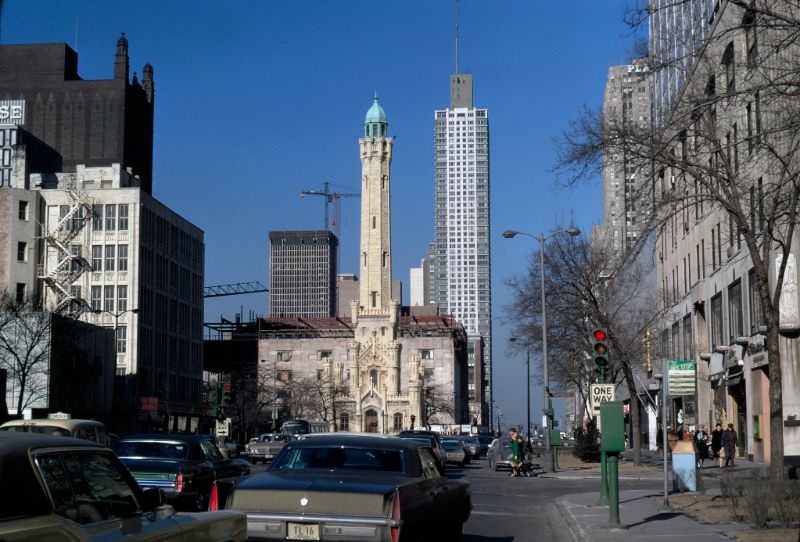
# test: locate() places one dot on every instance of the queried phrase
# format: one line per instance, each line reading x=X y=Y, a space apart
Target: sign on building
x=682 y=376
x=12 y=112
x=601 y=393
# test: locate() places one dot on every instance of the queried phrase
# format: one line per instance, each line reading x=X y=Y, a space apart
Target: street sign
x=682 y=376
x=58 y=416
x=222 y=428
x=601 y=393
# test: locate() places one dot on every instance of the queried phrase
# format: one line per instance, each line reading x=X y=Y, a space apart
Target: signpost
x=222 y=428
x=682 y=376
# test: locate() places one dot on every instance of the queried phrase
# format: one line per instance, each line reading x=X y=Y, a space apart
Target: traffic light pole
x=603 y=501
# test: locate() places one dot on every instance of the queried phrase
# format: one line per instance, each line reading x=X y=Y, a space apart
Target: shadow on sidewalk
x=640 y=497
x=661 y=516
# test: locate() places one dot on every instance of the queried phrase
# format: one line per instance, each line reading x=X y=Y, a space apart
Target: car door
x=224 y=468
x=93 y=494
x=435 y=494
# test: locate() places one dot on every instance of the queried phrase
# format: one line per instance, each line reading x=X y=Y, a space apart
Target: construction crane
x=238 y=288
x=330 y=197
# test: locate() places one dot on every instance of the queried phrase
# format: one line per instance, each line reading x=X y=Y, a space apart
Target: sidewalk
x=642 y=517
x=641 y=511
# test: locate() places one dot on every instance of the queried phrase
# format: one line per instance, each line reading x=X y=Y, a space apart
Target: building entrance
x=370 y=421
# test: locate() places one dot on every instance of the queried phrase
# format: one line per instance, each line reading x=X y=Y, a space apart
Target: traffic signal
x=227 y=395
x=600 y=350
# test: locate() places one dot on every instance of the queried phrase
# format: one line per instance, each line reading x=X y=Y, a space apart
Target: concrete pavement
x=641 y=511
x=642 y=516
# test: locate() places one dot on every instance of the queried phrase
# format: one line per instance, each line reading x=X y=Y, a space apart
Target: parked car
x=455 y=451
x=499 y=454
x=228 y=447
x=61 y=427
x=339 y=486
x=433 y=440
x=485 y=441
x=184 y=467
x=59 y=488
x=269 y=446
x=472 y=445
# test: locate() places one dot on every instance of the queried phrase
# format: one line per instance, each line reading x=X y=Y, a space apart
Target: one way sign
x=601 y=393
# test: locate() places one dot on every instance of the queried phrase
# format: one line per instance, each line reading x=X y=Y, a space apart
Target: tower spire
x=457 y=29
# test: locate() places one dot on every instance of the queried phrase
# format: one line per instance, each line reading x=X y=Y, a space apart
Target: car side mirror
x=151 y=499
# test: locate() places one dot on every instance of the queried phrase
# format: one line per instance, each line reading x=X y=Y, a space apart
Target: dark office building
x=302 y=274
x=95 y=123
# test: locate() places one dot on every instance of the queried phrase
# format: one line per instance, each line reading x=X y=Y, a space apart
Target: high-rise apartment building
x=302 y=274
x=677 y=31
x=626 y=190
x=462 y=256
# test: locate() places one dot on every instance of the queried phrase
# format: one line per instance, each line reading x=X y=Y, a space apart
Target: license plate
x=302 y=531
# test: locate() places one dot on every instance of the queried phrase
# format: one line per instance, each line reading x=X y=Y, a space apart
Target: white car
x=454 y=449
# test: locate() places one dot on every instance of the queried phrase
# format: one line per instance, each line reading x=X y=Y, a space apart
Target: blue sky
x=258 y=100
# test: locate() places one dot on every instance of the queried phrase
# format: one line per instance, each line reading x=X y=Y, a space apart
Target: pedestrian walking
x=701 y=442
x=516 y=451
x=716 y=443
x=729 y=441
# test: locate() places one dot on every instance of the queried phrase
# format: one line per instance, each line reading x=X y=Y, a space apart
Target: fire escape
x=69 y=264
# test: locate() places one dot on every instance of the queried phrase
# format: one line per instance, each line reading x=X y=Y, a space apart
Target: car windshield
x=43 y=429
x=450 y=445
x=338 y=457
x=485 y=440
x=451 y=442
x=166 y=450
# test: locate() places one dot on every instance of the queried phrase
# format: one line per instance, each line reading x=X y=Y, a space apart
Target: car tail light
x=396 y=516
x=213 y=500
x=179 y=482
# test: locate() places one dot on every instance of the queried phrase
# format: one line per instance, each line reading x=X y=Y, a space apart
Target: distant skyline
x=255 y=102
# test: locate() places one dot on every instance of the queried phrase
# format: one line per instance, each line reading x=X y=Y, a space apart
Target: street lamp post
x=508 y=234
x=116 y=316
x=528 y=392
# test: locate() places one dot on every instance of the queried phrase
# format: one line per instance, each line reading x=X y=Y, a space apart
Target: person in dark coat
x=701 y=442
x=729 y=441
x=716 y=442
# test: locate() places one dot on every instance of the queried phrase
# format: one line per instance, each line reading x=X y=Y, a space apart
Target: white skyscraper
x=462 y=256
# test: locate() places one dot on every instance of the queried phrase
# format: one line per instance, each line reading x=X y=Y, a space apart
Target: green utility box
x=555 y=437
x=613 y=423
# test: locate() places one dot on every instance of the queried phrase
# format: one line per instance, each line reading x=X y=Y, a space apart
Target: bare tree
x=728 y=150
x=25 y=347
x=585 y=291
x=439 y=404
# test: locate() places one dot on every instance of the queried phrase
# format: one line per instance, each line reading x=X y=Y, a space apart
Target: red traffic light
x=600 y=335
x=226 y=387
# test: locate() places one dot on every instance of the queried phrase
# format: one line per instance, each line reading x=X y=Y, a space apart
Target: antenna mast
x=457 y=25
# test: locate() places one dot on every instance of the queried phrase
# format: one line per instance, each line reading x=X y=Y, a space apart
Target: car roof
x=354 y=439
x=69 y=424
x=16 y=469
x=169 y=437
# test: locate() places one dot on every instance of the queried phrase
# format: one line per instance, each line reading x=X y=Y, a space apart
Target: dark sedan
x=184 y=467
x=60 y=488
x=353 y=487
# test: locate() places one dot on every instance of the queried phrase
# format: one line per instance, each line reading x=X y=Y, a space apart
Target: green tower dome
x=375 y=123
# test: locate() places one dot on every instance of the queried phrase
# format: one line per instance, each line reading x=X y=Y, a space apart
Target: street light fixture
x=573 y=232
x=528 y=393
x=116 y=316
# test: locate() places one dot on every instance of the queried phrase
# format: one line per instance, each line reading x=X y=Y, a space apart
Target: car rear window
x=164 y=450
x=42 y=429
x=341 y=458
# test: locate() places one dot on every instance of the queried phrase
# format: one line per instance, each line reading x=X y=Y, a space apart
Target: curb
x=570 y=521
